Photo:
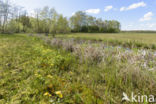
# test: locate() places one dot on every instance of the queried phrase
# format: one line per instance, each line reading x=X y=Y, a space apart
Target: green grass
x=145 y=40
x=29 y=69
x=33 y=72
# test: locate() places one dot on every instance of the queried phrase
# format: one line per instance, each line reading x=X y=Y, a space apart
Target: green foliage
x=25 y=21
x=47 y=20
x=62 y=25
x=14 y=27
x=64 y=63
x=81 y=22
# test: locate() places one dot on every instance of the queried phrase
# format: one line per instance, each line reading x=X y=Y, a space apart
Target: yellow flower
x=36 y=74
x=59 y=93
x=71 y=72
x=52 y=64
x=47 y=94
x=49 y=76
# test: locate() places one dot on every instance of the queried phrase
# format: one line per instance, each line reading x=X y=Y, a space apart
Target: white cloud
x=93 y=11
x=122 y=8
x=133 y=6
x=151 y=25
x=136 y=5
x=147 y=17
x=107 y=8
x=73 y=13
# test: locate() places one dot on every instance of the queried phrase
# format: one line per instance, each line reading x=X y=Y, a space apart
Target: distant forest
x=140 y=31
x=13 y=19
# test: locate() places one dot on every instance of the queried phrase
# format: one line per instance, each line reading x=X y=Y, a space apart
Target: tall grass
x=129 y=40
x=110 y=71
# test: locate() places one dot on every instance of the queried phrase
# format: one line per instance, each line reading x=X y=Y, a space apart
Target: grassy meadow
x=71 y=69
x=77 y=56
x=127 y=39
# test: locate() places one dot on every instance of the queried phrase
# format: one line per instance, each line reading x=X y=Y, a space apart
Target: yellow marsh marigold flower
x=36 y=74
x=52 y=64
x=71 y=72
x=49 y=76
x=59 y=94
x=47 y=94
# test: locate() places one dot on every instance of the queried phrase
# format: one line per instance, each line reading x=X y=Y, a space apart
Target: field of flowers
x=40 y=69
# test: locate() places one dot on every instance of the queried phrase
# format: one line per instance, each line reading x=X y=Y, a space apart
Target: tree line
x=13 y=19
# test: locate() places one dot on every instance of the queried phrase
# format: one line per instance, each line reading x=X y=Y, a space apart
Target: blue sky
x=132 y=14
